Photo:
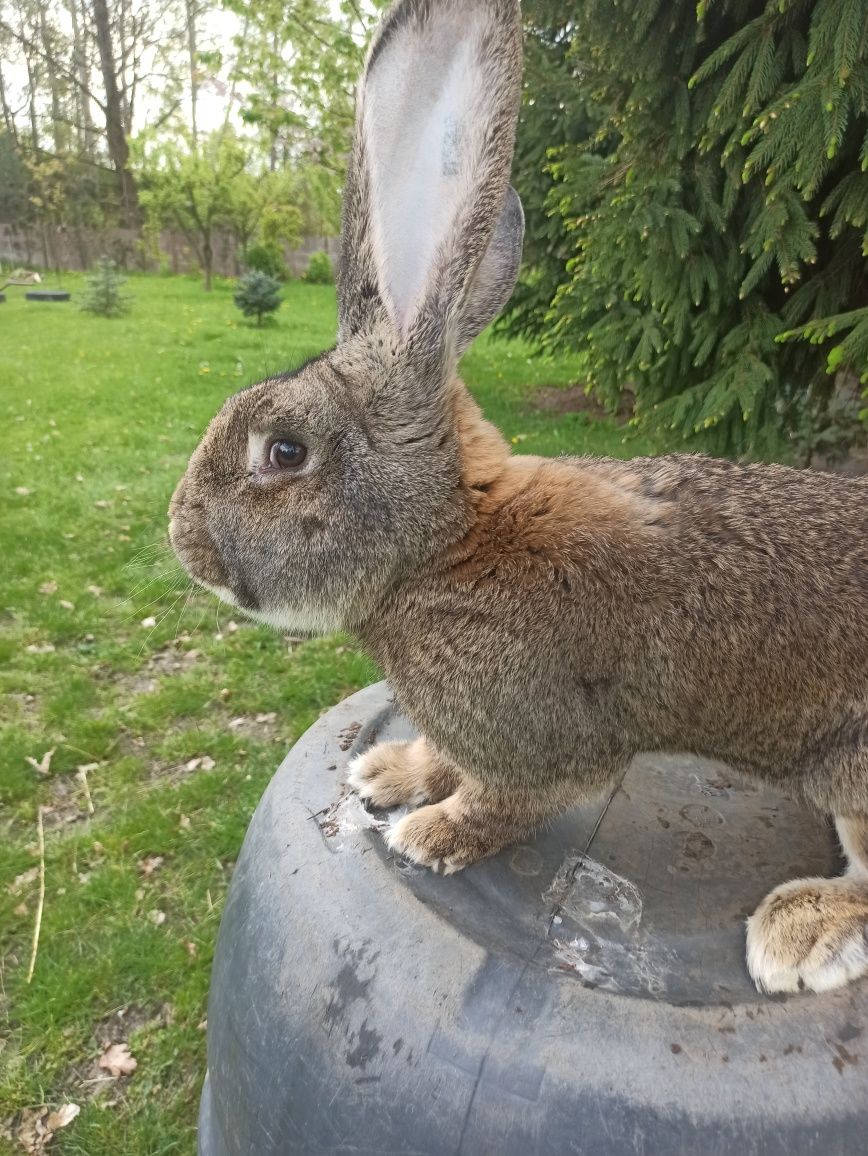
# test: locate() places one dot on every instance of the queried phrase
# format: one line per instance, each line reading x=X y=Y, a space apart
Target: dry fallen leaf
x=184 y=822
x=102 y=504
x=66 y=604
x=32 y=1134
x=48 y=587
x=21 y=909
x=151 y=864
x=22 y=880
x=37 y=1126
x=117 y=1061
x=63 y=1117
x=43 y=766
x=201 y=762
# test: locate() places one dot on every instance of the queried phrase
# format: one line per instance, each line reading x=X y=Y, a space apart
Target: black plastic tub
x=585 y=993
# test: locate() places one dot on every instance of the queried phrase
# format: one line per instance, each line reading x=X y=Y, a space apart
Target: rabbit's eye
x=286 y=455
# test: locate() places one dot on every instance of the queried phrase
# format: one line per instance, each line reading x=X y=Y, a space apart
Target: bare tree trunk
x=84 y=126
x=50 y=54
x=115 y=135
x=275 y=87
x=207 y=259
x=32 y=79
x=8 y=115
x=192 y=13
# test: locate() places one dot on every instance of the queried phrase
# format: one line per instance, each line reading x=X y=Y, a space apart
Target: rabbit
x=540 y=621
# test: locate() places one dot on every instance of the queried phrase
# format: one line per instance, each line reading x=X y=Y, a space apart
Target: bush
x=319 y=269
x=257 y=294
x=706 y=210
x=102 y=294
x=268 y=259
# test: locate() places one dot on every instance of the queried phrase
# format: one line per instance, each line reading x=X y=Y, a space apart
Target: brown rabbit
x=540 y=621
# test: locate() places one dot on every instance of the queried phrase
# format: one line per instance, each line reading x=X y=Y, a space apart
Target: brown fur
x=541 y=621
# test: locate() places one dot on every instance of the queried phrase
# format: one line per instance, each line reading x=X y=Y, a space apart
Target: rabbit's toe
x=809 y=933
x=439 y=837
x=385 y=777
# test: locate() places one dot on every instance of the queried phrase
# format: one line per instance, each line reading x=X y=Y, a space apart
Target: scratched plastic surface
x=584 y=993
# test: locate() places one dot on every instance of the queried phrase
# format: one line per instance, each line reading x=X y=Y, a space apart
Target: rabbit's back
x=679 y=603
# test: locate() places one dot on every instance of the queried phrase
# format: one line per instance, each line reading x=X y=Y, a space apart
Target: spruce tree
x=102 y=294
x=257 y=294
x=716 y=218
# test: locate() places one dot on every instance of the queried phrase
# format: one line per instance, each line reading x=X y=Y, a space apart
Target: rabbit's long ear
x=432 y=232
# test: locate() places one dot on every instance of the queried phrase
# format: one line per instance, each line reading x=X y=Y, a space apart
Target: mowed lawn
x=141 y=719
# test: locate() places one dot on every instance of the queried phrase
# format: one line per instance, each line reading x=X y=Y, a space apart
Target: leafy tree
x=192 y=188
x=103 y=294
x=257 y=294
x=553 y=117
x=717 y=218
x=266 y=259
x=297 y=63
x=319 y=269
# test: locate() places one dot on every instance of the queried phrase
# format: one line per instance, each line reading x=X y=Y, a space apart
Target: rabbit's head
x=310 y=493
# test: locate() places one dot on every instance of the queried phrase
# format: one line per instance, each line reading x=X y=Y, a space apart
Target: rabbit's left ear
x=432 y=231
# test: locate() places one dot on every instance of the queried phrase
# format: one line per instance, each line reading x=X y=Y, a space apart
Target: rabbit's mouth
x=200 y=556
x=311 y=622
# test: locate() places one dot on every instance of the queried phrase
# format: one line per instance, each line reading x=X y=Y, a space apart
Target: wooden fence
x=81 y=248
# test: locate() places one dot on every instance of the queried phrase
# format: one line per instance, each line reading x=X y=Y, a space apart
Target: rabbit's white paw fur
x=419 y=837
x=385 y=776
x=809 y=933
x=402 y=774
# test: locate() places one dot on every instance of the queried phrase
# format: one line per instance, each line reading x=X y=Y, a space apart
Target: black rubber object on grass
x=584 y=993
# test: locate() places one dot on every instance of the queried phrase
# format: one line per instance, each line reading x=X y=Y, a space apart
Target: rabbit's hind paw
x=809 y=933
x=442 y=837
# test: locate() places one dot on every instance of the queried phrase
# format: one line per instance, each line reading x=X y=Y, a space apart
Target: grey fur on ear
x=494 y=280
x=429 y=173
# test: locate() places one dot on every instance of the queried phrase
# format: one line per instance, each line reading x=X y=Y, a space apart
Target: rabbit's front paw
x=401 y=774
x=443 y=838
x=809 y=933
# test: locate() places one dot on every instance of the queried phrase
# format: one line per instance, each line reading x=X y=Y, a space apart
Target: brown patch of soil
x=855 y=465
x=68 y=802
x=88 y=1080
x=573 y=399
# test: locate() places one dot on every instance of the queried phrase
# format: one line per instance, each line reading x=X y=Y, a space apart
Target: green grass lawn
x=178 y=714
